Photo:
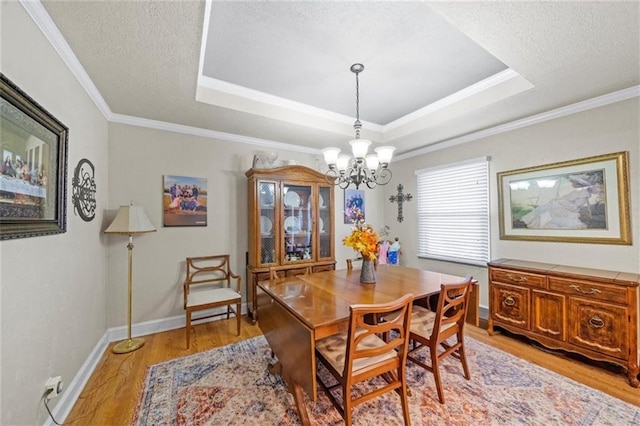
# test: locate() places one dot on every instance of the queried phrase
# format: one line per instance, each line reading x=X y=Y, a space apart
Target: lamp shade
x=385 y=153
x=331 y=155
x=360 y=147
x=343 y=162
x=130 y=220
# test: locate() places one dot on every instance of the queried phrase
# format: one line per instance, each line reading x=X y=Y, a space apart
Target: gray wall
x=53 y=292
x=138 y=159
x=603 y=130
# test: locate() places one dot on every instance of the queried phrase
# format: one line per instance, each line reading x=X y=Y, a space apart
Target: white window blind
x=453 y=212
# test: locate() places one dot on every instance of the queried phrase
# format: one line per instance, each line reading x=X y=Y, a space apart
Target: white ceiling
x=279 y=71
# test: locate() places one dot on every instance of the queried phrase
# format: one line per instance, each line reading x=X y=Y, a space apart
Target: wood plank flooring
x=111 y=394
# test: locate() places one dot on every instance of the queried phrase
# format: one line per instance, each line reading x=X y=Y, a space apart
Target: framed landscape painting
x=582 y=201
x=184 y=201
x=33 y=172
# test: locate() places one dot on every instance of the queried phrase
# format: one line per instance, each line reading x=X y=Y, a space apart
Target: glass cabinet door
x=268 y=220
x=325 y=222
x=297 y=223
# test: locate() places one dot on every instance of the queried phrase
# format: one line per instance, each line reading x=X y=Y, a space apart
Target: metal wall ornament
x=84 y=190
x=400 y=198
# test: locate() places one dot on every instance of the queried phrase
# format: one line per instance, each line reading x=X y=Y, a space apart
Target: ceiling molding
x=43 y=21
x=610 y=98
x=266 y=98
x=211 y=134
x=467 y=92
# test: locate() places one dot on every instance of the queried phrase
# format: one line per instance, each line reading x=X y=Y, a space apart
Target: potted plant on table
x=364 y=240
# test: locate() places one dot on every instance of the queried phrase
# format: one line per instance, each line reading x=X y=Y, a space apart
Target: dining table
x=297 y=311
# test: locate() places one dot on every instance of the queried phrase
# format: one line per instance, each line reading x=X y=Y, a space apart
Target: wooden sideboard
x=591 y=312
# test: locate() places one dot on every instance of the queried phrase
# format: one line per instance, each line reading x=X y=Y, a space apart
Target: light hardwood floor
x=111 y=394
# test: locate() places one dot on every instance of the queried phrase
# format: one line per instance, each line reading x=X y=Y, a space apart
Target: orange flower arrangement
x=364 y=240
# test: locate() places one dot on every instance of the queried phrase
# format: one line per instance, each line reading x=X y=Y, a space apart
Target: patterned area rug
x=231 y=386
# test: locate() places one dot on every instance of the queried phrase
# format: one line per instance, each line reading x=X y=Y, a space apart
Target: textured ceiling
x=144 y=57
x=303 y=52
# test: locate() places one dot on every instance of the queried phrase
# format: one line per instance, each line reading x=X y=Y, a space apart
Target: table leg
x=298 y=396
x=295 y=389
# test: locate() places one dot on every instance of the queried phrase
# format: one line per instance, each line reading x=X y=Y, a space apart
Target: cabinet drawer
x=600 y=327
x=510 y=305
x=518 y=278
x=589 y=289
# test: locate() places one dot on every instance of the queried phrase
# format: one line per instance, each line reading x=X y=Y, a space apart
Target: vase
x=368 y=272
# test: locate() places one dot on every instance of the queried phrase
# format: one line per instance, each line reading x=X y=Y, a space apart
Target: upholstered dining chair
x=209 y=284
x=437 y=329
x=359 y=354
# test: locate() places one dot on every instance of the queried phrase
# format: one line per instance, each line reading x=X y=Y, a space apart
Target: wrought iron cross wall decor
x=400 y=198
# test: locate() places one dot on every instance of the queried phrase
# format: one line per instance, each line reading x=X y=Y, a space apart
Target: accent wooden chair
x=358 y=354
x=433 y=329
x=211 y=284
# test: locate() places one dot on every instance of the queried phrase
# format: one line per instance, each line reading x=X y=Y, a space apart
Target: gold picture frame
x=577 y=201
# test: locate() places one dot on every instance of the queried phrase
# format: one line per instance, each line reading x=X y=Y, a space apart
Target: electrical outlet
x=53 y=387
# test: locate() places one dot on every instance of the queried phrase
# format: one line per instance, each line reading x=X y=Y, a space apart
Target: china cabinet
x=591 y=312
x=291 y=214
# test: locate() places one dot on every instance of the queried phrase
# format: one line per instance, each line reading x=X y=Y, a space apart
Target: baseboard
x=483 y=312
x=74 y=388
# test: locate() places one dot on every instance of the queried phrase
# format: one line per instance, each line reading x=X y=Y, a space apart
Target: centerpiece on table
x=364 y=240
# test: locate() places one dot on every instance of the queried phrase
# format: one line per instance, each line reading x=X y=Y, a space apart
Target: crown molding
x=43 y=21
x=454 y=98
x=206 y=133
x=37 y=12
x=609 y=98
x=273 y=100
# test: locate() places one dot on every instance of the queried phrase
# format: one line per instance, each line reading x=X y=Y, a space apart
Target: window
x=453 y=212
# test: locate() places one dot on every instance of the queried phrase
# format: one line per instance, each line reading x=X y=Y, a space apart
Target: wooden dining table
x=296 y=311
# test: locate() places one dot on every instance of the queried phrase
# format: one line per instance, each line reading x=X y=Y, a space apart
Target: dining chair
x=209 y=284
x=437 y=329
x=359 y=354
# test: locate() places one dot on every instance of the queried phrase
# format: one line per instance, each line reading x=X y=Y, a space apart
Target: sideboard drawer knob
x=596 y=321
x=509 y=301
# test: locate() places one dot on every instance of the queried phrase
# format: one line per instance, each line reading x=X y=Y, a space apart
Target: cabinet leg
x=490 y=326
x=634 y=375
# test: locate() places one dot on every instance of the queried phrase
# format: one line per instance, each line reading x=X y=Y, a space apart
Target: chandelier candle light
x=370 y=169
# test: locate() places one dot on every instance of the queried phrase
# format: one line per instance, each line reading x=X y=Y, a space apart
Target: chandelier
x=369 y=169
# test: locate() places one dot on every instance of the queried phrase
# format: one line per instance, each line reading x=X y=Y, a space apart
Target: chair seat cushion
x=422 y=321
x=199 y=297
x=334 y=349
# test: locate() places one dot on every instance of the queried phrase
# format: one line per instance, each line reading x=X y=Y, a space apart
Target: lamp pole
x=130 y=344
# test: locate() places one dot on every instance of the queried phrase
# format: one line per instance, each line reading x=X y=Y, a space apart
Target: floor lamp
x=130 y=220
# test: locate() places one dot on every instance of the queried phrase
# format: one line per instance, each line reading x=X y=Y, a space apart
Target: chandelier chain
x=357 y=123
x=357 y=98
x=370 y=170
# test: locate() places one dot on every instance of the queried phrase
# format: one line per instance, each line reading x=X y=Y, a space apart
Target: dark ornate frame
x=22 y=115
